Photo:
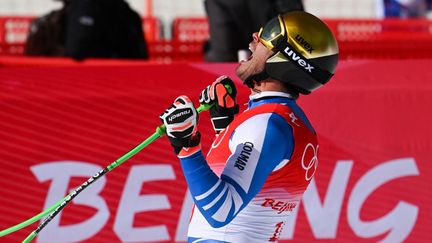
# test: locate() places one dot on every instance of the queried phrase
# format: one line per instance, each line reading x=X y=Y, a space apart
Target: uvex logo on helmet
x=295 y=57
x=304 y=43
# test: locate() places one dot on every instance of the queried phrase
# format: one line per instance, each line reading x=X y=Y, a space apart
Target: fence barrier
x=358 y=38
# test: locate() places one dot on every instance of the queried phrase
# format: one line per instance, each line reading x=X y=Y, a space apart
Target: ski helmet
x=306 y=51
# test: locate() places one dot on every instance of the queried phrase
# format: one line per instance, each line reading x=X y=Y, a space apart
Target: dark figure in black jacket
x=232 y=23
x=90 y=28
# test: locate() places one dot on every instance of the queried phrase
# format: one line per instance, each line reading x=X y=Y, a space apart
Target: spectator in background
x=46 y=36
x=104 y=29
x=429 y=9
x=405 y=8
x=90 y=28
x=232 y=22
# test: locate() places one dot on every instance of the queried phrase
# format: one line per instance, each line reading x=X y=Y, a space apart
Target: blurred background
x=179 y=30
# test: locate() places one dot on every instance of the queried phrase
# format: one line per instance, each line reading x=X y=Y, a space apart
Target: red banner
x=60 y=125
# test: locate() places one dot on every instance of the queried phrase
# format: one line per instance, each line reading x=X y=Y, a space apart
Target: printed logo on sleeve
x=244 y=156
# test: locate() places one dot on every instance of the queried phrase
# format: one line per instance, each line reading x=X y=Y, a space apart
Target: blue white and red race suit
x=254 y=175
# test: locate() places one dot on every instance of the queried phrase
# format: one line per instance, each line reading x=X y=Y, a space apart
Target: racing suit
x=254 y=174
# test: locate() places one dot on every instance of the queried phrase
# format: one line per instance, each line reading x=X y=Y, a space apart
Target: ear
x=256 y=84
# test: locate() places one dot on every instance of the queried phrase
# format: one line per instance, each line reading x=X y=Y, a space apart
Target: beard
x=246 y=70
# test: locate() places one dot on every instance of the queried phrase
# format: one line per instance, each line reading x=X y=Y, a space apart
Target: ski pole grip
x=161 y=130
x=204 y=107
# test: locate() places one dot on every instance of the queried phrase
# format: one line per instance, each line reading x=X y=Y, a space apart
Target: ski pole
x=56 y=208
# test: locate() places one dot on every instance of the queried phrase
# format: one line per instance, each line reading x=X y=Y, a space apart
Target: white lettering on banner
x=132 y=202
x=323 y=214
x=330 y=209
x=60 y=173
x=401 y=220
x=324 y=218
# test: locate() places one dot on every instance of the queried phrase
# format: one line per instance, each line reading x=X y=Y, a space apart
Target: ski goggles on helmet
x=274 y=36
x=272 y=32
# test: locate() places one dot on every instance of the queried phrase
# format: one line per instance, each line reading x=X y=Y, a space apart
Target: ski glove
x=222 y=95
x=180 y=120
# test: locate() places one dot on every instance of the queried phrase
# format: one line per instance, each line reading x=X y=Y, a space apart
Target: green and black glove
x=222 y=95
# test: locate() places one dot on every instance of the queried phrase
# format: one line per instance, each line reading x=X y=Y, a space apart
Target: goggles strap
x=302 y=63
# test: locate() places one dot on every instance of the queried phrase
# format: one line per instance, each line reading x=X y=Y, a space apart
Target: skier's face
x=256 y=62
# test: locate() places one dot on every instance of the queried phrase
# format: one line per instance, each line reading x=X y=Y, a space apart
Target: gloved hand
x=222 y=95
x=181 y=121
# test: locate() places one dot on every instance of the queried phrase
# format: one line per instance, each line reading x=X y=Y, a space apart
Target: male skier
x=263 y=159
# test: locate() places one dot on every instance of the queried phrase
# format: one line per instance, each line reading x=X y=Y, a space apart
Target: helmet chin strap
x=257 y=78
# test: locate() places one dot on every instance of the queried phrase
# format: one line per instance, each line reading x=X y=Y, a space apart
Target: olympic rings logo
x=310 y=168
